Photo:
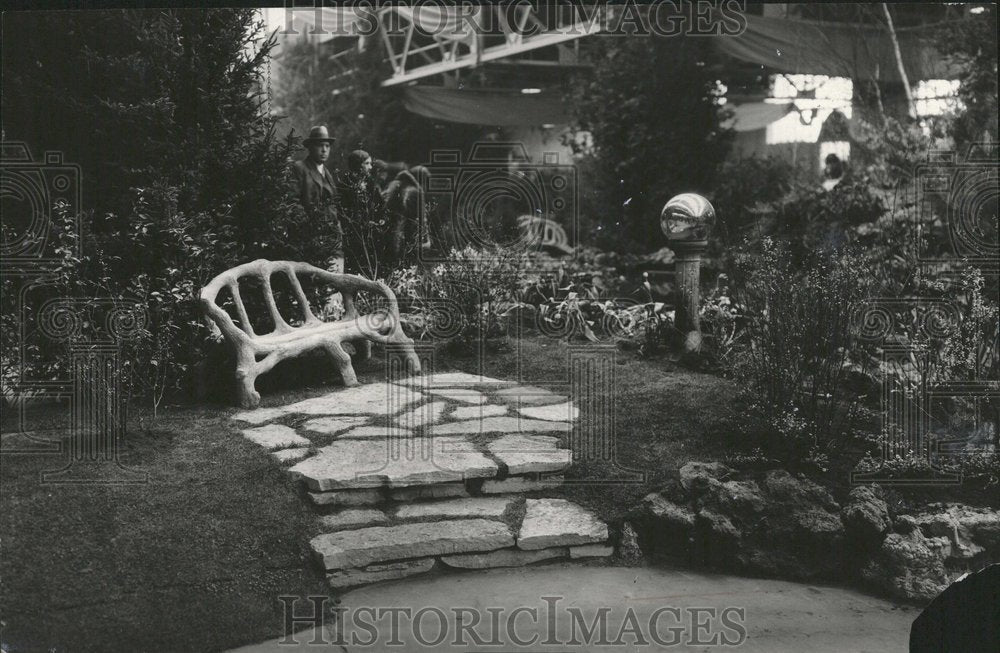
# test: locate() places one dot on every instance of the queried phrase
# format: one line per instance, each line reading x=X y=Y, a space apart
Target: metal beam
x=492 y=54
x=466 y=49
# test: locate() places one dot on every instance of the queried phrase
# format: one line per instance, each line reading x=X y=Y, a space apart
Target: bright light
x=803 y=124
x=548 y=125
x=531 y=91
x=977 y=10
x=934 y=97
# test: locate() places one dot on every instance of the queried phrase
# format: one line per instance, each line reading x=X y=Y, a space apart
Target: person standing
x=404 y=199
x=317 y=193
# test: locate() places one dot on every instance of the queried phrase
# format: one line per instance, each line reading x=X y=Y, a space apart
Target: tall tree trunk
x=899 y=62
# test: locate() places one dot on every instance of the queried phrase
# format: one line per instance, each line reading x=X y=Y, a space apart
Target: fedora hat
x=318 y=134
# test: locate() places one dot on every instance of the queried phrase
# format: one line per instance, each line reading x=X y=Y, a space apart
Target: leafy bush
x=186 y=180
x=797 y=355
x=747 y=187
x=466 y=298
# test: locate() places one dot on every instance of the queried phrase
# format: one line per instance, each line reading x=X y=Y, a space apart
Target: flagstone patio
x=430 y=469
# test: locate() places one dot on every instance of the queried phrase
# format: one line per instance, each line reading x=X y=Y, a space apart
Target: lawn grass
x=195 y=559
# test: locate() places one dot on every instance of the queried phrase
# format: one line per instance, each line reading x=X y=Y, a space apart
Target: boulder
x=908 y=564
x=795 y=492
x=866 y=516
x=695 y=475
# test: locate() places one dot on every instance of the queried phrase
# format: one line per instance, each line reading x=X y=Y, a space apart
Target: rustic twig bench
x=257 y=353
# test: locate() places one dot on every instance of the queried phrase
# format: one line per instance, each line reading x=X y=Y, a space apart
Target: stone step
x=346 y=578
x=377 y=544
x=558 y=522
x=484 y=507
x=367 y=463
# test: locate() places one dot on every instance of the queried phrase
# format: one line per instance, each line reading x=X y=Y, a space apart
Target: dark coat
x=318 y=195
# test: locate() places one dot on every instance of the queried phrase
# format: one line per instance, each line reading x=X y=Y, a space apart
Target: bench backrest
x=347 y=284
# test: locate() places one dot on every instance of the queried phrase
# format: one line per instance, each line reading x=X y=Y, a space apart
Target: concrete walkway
x=551 y=608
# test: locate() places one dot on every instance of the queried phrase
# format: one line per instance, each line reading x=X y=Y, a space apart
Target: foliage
x=466 y=298
x=745 y=189
x=797 y=357
x=651 y=106
x=972 y=44
x=184 y=176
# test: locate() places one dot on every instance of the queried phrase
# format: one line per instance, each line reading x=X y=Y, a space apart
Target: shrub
x=797 y=355
x=464 y=299
x=747 y=187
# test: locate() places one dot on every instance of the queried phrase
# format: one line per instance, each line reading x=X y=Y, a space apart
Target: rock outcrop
x=778 y=524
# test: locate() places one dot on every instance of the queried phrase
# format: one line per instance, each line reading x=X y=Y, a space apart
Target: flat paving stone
x=485 y=507
x=290 y=455
x=558 y=522
x=423 y=415
x=371 y=399
x=346 y=498
x=393 y=432
x=378 y=573
x=477 y=412
x=520 y=484
x=260 y=415
x=465 y=395
x=502 y=558
x=353 y=518
x=451 y=380
x=334 y=425
x=365 y=463
x=528 y=454
x=437 y=491
x=276 y=436
x=365 y=546
x=528 y=395
x=502 y=425
x=563 y=412
x=591 y=551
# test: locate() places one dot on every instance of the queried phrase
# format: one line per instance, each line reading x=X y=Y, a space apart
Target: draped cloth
x=485 y=106
x=755 y=115
x=837 y=49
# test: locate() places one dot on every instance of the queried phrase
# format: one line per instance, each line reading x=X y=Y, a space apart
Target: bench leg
x=405 y=343
x=364 y=349
x=343 y=363
x=249 y=397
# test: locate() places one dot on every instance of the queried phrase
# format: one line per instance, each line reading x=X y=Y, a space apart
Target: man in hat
x=318 y=192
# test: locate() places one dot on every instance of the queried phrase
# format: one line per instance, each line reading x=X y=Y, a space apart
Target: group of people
x=360 y=197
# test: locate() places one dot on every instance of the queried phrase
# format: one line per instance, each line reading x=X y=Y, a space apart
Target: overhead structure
x=424 y=41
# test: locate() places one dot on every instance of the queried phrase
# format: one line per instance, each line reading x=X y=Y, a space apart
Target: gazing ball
x=687 y=217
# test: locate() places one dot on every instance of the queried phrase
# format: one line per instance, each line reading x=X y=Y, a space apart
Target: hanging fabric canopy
x=755 y=115
x=485 y=106
x=837 y=49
